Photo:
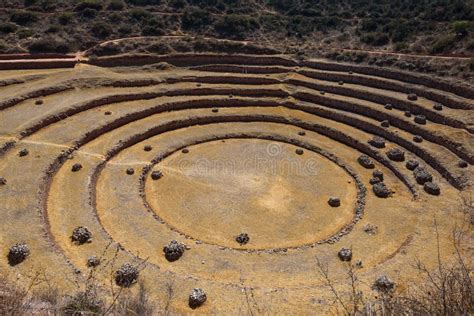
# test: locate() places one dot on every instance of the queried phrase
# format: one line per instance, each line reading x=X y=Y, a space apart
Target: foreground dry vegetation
x=248 y=183
x=446 y=290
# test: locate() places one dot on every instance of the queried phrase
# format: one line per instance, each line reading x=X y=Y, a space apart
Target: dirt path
x=375 y=52
x=81 y=55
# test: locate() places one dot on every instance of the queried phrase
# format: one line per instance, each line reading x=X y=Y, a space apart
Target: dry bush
x=446 y=290
x=138 y=304
x=468 y=206
x=84 y=303
x=13 y=299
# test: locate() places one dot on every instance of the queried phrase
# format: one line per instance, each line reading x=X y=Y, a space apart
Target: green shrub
x=23 y=17
x=125 y=29
x=144 y=2
x=24 y=33
x=7 y=28
x=400 y=46
x=28 y=3
x=88 y=13
x=3 y=47
x=116 y=5
x=115 y=17
x=236 y=26
x=178 y=4
x=159 y=48
x=375 y=39
x=48 y=46
x=65 y=18
x=48 y=5
x=369 y=25
x=152 y=31
x=53 y=29
x=101 y=30
x=88 y=4
x=443 y=44
x=195 y=18
x=470 y=45
x=461 y=27
x=139 y=14
x=272 y=23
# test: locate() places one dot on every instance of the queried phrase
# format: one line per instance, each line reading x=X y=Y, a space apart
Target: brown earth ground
x=241 y=174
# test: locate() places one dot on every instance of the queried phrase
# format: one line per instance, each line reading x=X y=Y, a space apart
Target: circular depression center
x=216 y=190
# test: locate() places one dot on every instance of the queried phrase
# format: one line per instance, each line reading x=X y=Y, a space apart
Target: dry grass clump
x=138 y=304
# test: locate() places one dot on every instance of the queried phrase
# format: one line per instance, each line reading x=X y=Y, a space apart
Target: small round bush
x=377 y=142
x=420 y=119
x=81 y=235
x=417 y=139
x=242 y=239
x=438 y=107
x=370 y=229
x=24 y=152
x=396 y=154
x=334 y=201
x=76 y=167
x=432 y=188
x=412 y=164
x=197 y=298
x=412 y=97
x=374 y=180
x=383 y=284
x=378 y=174
x=174 y=250
x=126 y=276
x=93 y=262
x=366 y=162
x=345 y=254
x=463 y=164
x=156 y=175
x=18 y=253
x=381 y=190
x=422 y=175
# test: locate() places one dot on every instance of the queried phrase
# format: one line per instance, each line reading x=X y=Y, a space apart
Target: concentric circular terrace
x=245 y=144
